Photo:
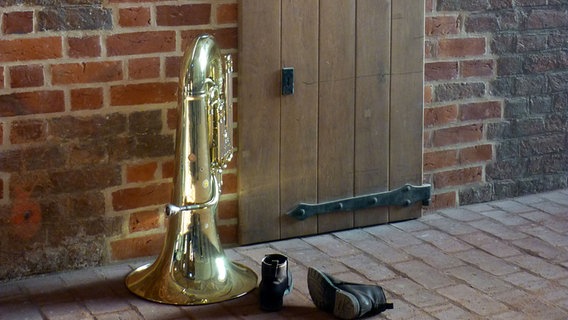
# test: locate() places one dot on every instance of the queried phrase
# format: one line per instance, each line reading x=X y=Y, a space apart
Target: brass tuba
x=192 y=268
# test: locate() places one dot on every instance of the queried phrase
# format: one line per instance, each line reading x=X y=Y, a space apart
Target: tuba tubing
x=192 y=268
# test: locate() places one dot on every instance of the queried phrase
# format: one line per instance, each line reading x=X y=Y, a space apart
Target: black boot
x=345 y=300
x=276 y=282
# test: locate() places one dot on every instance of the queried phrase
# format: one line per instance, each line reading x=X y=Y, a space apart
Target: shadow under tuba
x=192 y=268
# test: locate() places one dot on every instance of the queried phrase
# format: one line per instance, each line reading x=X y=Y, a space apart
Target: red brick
x=18 y=22
x=134 y=17
x=36 y=102
x=1 y=77
x=461 y=47
x=30 y=49
x=440 y=71
x=1 y=133
x=480 y=110
x=141 y=43
x=427 y=94
x=455 y=135
x=474 y=154
x=440 y=159
x=143 y=93
x=144 y=68
x=227 y=38
x=84 y=47
x=136 y=247
x=168 y=169
x=437 y=116
x=1 y=188
x=457 y=177
x=442 y=25
x=131 y=198
x=228 y=209
x=477 y=68
x=143 y=221
x=229 y=183
x=141 y=172
x=26 y=131
x=228 y=234
x=86 y=72
x=86 y=99
x=227 y=13
x=26 y=76
x=443 y=200
x=173 y=67
x=183 y=15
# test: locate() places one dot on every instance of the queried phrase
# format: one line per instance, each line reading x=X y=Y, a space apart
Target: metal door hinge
x=403 y=196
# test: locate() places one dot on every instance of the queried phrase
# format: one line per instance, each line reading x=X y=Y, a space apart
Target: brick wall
x=496 y=100
x=87 y=123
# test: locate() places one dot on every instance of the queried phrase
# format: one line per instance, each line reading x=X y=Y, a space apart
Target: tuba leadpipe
x=192 y=268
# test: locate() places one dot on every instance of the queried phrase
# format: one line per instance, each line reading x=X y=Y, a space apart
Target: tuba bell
x=192 y=268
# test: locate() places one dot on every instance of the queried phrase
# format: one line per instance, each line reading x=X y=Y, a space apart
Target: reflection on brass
x=192 y=268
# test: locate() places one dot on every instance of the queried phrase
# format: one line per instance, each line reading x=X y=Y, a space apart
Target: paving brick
x=424 y=274
x=552 y=208
x=497 y=229
x=511 y=206
x=554 y=238
x=540 y=267
x=413 y=225
x=332 y=246
x=66 y=311
x=542 y=249
x=527 y=281
x=451 y=226
x=507 y=218
x=413 y=292
x=487 y=262
x=442 y=240
x=448 y=312
x=368 y=267
x=473 y=300
x=433 y=256
x=531 y=305
x=404 y=311
x=490 y=244
x=479 y=279
x=381 y=251
x=393 y=236
x=461 y=214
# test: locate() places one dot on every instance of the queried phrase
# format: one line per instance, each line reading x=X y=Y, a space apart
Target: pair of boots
x=345 y=300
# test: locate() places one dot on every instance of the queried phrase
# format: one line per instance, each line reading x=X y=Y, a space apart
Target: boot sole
x=330 y=298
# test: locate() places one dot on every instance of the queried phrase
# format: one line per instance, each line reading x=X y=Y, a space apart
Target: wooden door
x=354 y=123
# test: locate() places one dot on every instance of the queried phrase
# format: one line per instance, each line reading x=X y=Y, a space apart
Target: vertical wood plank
x=259 y=120
x=336 y=109
x=406 y=100
x=372 y=94
x=299 y=114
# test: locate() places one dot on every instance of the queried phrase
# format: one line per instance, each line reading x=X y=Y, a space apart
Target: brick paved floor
x=500 y=260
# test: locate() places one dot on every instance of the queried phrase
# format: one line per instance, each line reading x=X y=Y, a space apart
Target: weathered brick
x=443 y=200
x=438 y=116
x=183 y=15
x=88 y=152
x=480 y=110
x=26 y=131
x=18 y=22
x=23 y=49
x=461 y=47
x=143 y=93
x=140 y=43
x=440 y=71
x=128 y=248
x=546 y=18
x=86 y=72
x=458 y=91
x=145 y=122
x=87 y=204
x=442 y=25
x=36 y=102
x=134 y=17
x=455 y=135
x=137 y=197
x=101 y=126
x=87 y=46
x=45 y=156
x=477 y=68
x=476 y=154
x=86 y=98
x=26 y=76
x=141 y=172
x=481 y=22
x=143 y=221
x=228 y=209
x=440 y=159
x=144 y=68
x=66 y=18
x=226 y=13
x=457 y=177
